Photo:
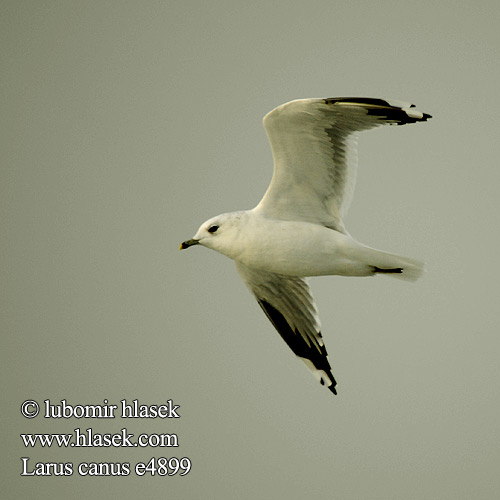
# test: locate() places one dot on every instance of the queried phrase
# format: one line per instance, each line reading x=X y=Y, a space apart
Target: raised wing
x=313 y=142
x=288 y=303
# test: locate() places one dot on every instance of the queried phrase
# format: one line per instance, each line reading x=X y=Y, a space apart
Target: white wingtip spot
x=413 y=113
x=320 y=375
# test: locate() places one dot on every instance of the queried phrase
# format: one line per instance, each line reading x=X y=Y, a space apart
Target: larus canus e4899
x=297 y=230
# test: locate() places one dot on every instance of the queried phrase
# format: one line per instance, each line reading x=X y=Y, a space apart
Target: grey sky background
x=125 y=125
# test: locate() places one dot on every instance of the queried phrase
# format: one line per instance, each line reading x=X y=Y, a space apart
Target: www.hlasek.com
x=87 y=438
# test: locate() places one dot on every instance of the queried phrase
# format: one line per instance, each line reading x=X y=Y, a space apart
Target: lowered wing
x=288 y=303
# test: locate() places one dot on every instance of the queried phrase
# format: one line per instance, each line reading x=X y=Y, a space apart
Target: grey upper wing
x=288 y=303
x=313 y=142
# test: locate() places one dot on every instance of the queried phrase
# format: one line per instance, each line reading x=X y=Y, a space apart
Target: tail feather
x=390 y=264
x=398 y=266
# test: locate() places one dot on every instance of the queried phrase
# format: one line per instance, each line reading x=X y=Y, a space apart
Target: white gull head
x=221 y=233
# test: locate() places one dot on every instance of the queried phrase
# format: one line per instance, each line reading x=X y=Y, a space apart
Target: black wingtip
x=383 y=109
x=299 y=347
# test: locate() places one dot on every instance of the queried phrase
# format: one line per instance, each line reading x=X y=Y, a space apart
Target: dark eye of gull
x=212 y=229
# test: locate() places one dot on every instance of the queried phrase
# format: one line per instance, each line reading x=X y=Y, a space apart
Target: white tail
x=390 y=264
x=411 y=269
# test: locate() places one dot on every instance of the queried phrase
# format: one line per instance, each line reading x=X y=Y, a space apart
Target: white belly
x=301 y=249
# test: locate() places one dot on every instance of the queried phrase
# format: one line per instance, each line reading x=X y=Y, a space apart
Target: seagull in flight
x=297 y=230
